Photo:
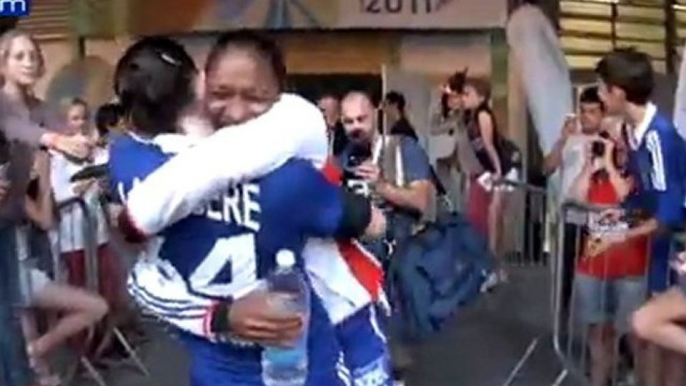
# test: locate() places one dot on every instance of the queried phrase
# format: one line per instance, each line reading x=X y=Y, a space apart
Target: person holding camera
x=568 y=159
x=610 y=269
x=395 y=172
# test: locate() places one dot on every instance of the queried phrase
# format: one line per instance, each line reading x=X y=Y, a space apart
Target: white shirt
x=641 y=130
x=69 y=234
x=573 y=154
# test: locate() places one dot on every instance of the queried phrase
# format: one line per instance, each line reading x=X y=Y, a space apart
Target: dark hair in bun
x=456 y=82
x=154 y=82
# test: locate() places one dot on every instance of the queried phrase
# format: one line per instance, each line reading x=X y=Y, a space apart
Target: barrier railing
x=593 y=294
x=524 y=213
x=89 y=228
x=570 y=347
x=528 y=256
x=592 y=331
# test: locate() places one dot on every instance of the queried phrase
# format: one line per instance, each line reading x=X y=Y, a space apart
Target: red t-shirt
x=629 y=258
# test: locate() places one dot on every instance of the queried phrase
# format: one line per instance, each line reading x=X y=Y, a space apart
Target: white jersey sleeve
x=293 y=127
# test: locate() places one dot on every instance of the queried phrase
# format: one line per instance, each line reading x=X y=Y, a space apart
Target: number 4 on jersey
x=229 y=268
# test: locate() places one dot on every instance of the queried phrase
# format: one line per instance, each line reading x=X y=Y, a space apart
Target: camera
x=360 y=153
x=598 y=147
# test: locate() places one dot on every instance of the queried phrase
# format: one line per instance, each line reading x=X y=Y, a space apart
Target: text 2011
x=398 y=6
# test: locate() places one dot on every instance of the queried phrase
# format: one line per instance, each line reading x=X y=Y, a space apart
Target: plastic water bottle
x=287 y=366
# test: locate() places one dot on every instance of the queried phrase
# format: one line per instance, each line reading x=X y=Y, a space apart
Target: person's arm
x=23 y=130
x=553 y=160
x=645 y=228
x=582 y=183
x=487 y=134
x=330 y=210
x=620 y=183
x=292 y=127
x=4 y=189
x=416 y=195
x=667 y=177
x=437 y=124
x=61 y=186
x=40 y=209
x=417 y=172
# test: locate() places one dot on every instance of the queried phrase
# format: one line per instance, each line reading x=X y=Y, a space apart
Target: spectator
x=401 y=181
x=21 y=65
x=610 y=285
x=394 y=108
x=77 y=117
x=69 y=235
x=485 y=207
x=108 y=119
x=568 y=157
x=78 y=308
x=656 y=162
x=448 y=120
x=331 y=108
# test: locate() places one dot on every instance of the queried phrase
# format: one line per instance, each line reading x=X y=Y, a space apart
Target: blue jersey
x=657 y=164
x=224 y=249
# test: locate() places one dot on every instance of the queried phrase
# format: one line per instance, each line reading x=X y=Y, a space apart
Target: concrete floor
x=479 y=348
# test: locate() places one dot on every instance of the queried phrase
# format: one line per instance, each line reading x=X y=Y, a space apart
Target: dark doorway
x=312 y=86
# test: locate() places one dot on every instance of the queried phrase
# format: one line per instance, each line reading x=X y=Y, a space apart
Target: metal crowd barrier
x=549 y=246
x=524 y=213
x=527 y=250
x=619 y=291
x=89 y=229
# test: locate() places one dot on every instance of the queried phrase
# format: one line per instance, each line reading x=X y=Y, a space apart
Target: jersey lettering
x=229 y=268
x=239 y=206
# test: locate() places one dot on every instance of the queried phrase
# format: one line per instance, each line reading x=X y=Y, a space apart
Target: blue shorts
x=601 y=301
x=365 y=350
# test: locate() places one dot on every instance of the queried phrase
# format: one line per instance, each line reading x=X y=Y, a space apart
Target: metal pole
x=671 y=38
x=613 y=24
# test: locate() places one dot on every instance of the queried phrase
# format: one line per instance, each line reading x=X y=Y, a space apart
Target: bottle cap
x=285 y=258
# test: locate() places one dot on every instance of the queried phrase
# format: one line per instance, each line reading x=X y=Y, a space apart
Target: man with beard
x=400 y=179
x=395 y=172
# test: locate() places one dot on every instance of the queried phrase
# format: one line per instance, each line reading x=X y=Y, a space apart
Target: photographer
x=396 y=173
x=610 y=270
x=568 y=157
x=394 y=170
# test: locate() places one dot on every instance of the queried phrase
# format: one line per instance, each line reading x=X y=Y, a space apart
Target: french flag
x=363 y=265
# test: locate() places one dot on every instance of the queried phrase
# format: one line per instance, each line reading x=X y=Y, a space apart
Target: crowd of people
x=212 y=172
